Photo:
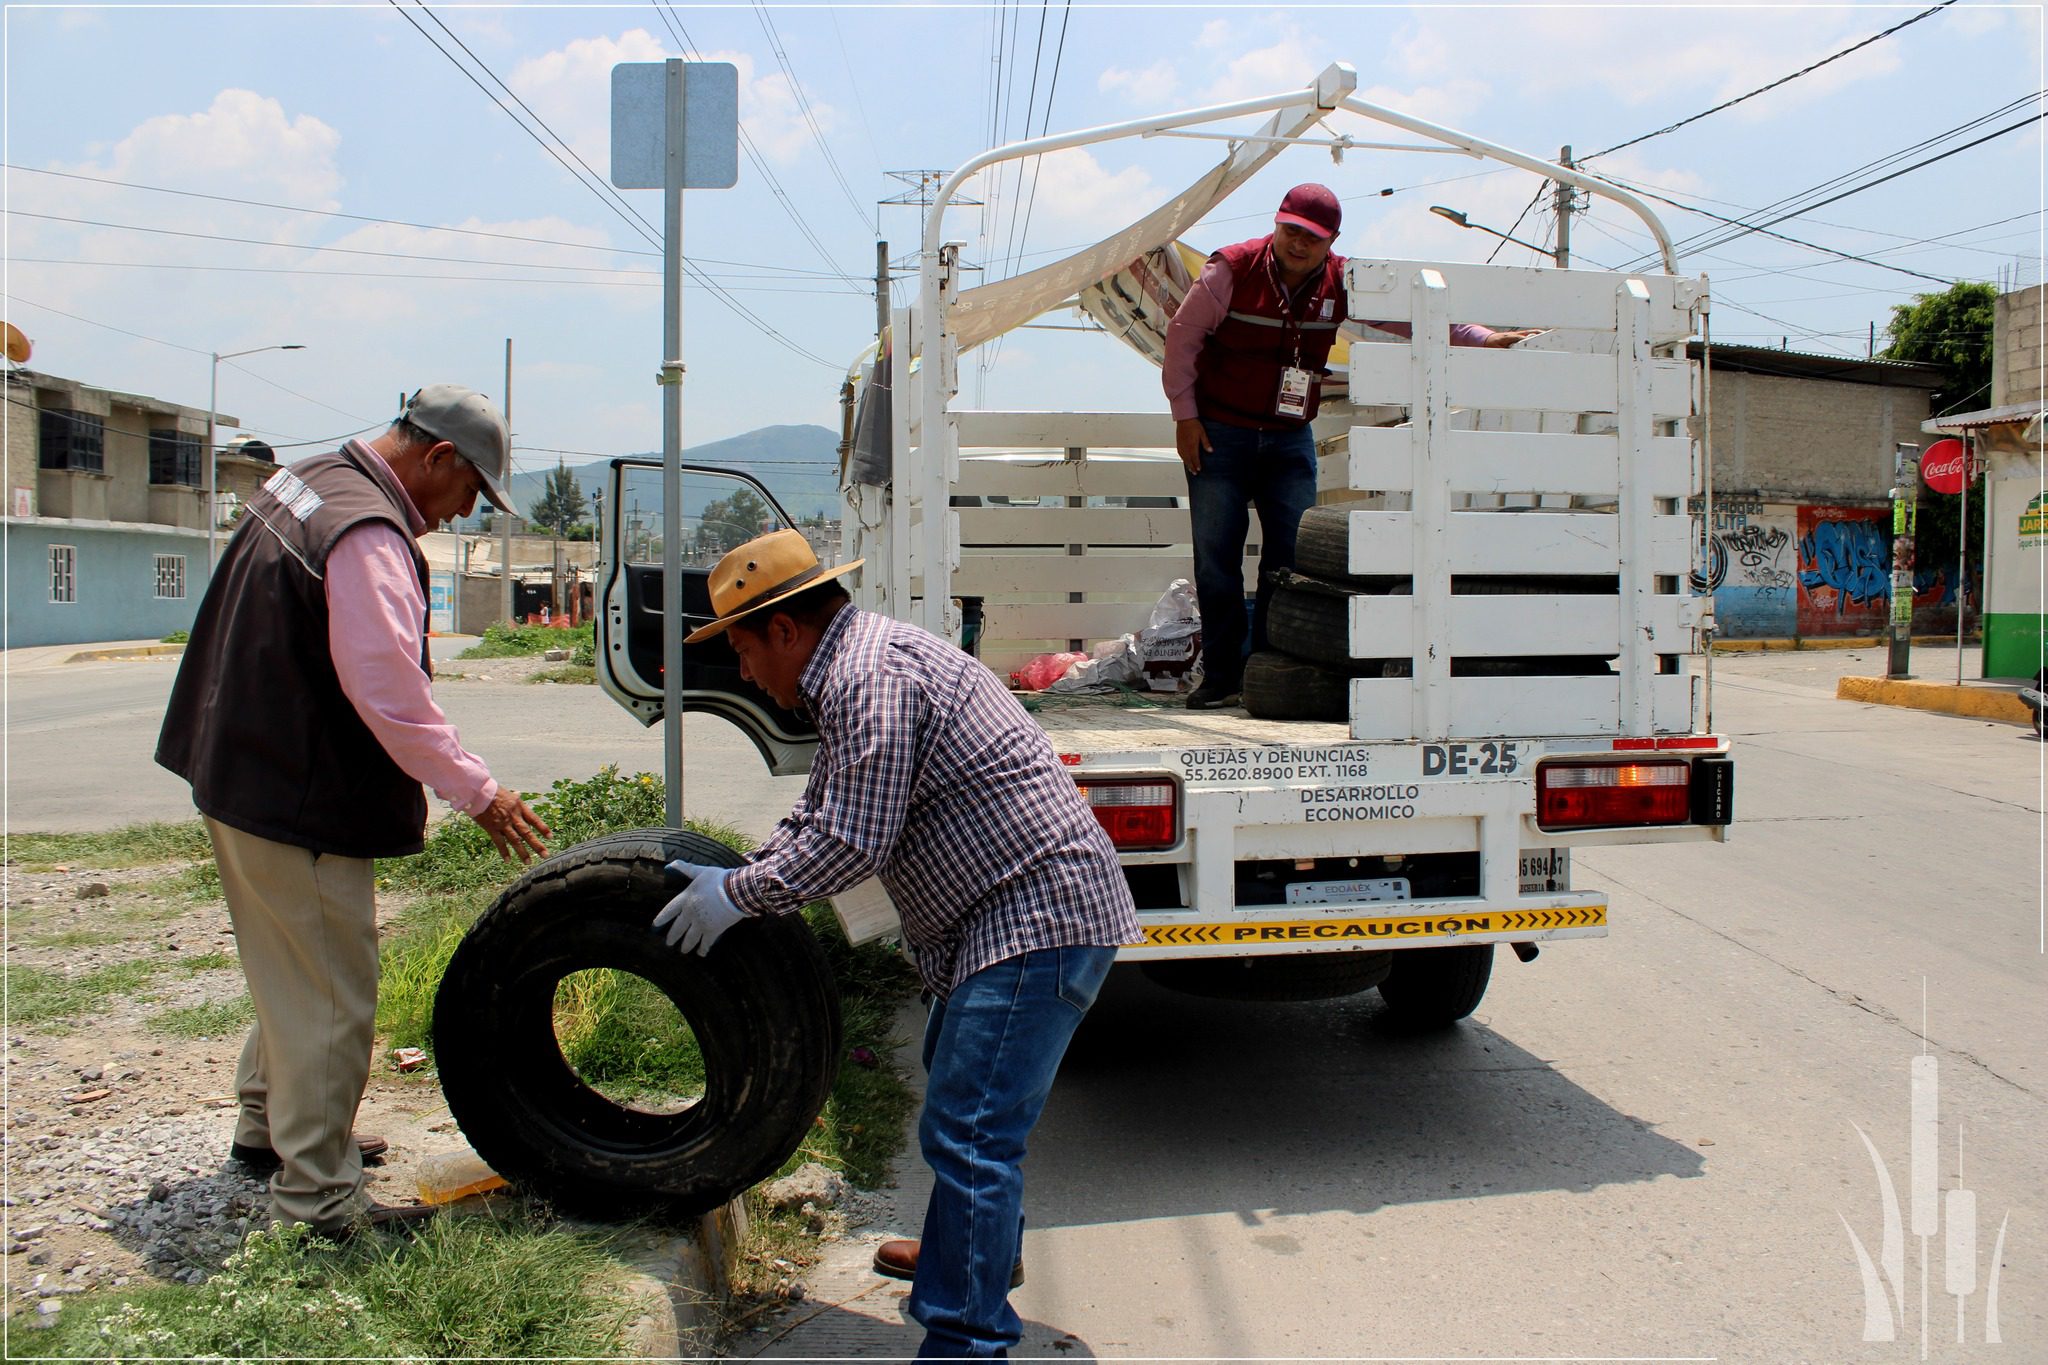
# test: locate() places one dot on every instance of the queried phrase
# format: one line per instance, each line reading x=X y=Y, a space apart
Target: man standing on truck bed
x=1245 y=358
x=930 y=776
x=303 y=717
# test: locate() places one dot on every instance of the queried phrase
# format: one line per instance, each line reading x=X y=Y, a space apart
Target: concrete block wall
x=19 y=424
x=2017 y=331
x=116 y=583
x=1819 y=440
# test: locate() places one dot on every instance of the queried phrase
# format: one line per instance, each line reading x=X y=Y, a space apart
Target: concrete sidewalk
x=51 y=656
x=1935 y=683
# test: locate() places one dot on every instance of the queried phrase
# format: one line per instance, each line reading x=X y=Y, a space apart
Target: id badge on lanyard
x=1295 y=382
x=1293 y=399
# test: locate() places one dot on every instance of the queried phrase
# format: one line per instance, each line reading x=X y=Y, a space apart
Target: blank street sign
x=711 y=123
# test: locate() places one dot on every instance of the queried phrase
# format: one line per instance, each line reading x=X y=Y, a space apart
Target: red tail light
x=1139 y=813
x=1587 y=795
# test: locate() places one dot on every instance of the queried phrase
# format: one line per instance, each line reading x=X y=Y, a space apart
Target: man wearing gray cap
x=303 y=718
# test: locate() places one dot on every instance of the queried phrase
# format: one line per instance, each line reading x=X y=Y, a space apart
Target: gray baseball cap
x=474 y=426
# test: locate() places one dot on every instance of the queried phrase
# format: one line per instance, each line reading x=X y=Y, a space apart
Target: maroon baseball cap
x=1314 y=207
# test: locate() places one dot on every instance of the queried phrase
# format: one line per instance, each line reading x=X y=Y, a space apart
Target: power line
x=803 y=105
x=590 y=179
x=174 y=345
x=1803 y=71
x=1746 y=229
x=688 y=46
x=422 y=227
x=651 y=279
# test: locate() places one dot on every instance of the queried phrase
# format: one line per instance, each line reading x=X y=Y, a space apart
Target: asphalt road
x=1643 y=1146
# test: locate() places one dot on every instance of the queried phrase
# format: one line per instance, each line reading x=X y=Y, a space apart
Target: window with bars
x=173 y=457
x=63 y=573
x=74 y=440
x=170 y=576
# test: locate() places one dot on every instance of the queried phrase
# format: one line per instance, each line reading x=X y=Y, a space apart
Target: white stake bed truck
x=1500 y=568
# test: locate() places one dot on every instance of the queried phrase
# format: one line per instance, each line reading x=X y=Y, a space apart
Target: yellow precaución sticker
x=1332 y=929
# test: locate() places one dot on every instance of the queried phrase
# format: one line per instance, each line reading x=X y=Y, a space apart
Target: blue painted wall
x=116 y=584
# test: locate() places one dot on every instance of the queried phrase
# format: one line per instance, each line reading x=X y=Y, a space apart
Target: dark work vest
x=1237 y=373
x=257 y=722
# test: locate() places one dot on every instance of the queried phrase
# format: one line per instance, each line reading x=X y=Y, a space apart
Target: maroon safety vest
x=1237 y=374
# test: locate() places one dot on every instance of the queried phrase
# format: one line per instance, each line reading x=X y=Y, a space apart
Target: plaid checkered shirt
x=930 y=775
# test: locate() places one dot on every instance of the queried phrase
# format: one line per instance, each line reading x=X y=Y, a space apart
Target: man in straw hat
x=930 y=776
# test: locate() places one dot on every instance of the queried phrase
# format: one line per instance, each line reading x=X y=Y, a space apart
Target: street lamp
x=212 y=458
x=1462 y=221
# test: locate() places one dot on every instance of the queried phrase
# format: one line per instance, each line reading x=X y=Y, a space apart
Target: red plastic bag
x=1045 y=670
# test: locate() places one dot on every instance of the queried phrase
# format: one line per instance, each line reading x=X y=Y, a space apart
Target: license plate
x=1332 y=893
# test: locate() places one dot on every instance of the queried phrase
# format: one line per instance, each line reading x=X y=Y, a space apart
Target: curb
x=680 y=1285
x=1828 y=642
x=130 y=652
x=1946 y=698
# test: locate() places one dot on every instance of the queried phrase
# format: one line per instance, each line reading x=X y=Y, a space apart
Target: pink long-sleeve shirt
x=1203 y=311
x=376 y=618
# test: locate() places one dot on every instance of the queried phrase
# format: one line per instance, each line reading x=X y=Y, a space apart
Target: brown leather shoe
x=898 y=1260
x=402 y=1219
x=263 y=1160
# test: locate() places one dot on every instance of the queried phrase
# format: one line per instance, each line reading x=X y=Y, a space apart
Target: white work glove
x=701 y=912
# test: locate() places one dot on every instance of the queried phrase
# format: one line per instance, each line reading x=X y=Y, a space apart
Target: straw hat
x=761 y=573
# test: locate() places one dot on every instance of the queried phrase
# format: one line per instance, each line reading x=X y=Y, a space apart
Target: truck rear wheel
x=762 y=1007
x=1429 y=988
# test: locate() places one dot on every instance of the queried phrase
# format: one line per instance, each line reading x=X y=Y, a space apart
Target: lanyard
x=1286 y=296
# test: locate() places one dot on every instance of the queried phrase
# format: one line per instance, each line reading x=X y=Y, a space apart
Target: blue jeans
x=1274 y=471
x=991 y=1049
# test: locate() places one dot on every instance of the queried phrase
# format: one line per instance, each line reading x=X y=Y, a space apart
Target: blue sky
x=352 y=111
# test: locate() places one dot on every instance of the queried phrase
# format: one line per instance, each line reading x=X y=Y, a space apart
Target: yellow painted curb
x=131 y=652
x=1982 y=703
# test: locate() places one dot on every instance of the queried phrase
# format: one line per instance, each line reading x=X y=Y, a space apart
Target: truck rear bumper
x=1377 y=926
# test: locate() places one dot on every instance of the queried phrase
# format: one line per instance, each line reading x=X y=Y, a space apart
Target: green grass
x=134 y=846
x=219 y=1019
x=566 y=673
x=51 y=1000
x=502 y=640
x=499 y=1285
x=625 y=1038
x=208 y=962
x=75 y=938
x=177 y=637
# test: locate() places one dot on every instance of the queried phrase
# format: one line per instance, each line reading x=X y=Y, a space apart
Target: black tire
x=1281 y=687
x=1322 y=549
x=763 y=1007
x=1430 y=988
x=1297 y=976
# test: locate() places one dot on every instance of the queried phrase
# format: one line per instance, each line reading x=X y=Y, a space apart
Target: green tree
x=729 y=521
x=1951 y=329
x=560 y=504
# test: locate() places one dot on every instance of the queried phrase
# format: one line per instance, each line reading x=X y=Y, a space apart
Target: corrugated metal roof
x=1984 y=417
x=1769 y=360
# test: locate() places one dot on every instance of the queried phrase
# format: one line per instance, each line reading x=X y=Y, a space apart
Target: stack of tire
x=762 y=1005
x=1307 y=672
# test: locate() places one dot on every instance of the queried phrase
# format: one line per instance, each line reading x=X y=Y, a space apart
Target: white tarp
x=989 y=310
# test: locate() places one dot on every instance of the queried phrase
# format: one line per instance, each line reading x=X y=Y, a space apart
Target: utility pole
x=505 y=514
x=881 y=291
x=1905 y=502
x=1563 y=199
x=555 y=550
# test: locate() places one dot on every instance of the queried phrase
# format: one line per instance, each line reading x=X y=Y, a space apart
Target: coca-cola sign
x=1941 y=465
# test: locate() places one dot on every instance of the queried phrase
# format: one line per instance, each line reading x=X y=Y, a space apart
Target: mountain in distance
x=799 y=464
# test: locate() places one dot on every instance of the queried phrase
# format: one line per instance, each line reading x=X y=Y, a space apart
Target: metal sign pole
x=672 y=443
x=1905 y=490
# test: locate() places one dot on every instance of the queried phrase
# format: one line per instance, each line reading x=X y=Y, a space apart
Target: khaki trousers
x=306 y=930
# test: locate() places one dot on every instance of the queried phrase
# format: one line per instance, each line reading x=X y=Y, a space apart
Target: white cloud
x=243 y=140
x=1282 y=65
x=1151 y=87
x=1217 y=33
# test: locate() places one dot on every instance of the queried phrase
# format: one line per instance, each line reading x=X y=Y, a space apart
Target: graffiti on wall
x=1748 y=563
x=1844 y=570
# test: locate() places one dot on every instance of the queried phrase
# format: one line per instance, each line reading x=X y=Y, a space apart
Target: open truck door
x=725 y=508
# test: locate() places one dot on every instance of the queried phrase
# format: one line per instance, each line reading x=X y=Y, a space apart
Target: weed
x=413 y=962
x=208 y=962
x=625 y=1038
x=572 y=673
x=497 y=1285
x=135 y=846
x=460 y=855
x=501 y=640
x=219 y=1019
x=177 y=637
x=51 y=1000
